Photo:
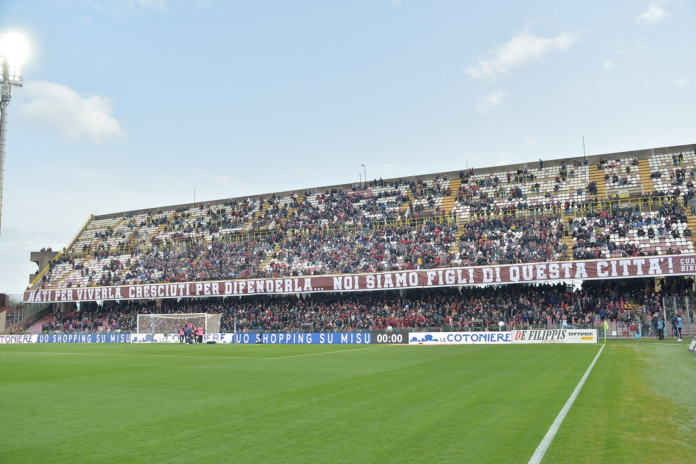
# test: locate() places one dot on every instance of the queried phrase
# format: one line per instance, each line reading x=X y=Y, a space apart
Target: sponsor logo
x=459 y=338
x=554 y=336
x=424 y=339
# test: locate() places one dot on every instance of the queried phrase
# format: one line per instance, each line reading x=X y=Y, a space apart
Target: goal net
x=165 y=327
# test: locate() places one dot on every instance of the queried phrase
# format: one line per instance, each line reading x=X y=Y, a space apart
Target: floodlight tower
x=13 y=50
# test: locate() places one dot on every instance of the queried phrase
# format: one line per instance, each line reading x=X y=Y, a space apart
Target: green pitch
x=434 y=404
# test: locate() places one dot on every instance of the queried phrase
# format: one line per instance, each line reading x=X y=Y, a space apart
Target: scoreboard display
x=390 y=338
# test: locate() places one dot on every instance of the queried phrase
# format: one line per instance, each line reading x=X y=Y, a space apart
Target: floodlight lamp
x=15 y=49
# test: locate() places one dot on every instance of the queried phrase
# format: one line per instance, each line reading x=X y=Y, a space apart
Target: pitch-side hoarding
x=459 y=338
x=555 y=336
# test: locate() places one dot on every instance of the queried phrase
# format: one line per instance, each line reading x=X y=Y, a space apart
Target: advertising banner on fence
x=555 y=336
x=459 y=338
x=460 y=277
x=305 y=338
x=66 y=338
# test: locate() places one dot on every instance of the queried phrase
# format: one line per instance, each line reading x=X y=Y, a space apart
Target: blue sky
x=132 y=104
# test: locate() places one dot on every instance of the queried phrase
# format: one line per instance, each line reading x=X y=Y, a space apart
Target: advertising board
x=459 y=338
x=555 y=336
x=66 y=338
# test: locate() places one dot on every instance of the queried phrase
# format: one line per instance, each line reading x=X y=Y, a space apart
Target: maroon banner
x=618 y=268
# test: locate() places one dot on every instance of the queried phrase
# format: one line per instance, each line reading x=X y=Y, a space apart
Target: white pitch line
x=328 y=352
x=649 y=343
x=546 y=442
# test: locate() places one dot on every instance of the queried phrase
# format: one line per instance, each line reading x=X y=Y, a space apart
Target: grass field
x=289 y=403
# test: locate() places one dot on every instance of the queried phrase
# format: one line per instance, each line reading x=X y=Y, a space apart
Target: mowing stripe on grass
x=328 y=352
x=546 y=442
x=183 y=356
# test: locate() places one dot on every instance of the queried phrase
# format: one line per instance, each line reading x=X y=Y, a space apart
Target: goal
x=164 y=328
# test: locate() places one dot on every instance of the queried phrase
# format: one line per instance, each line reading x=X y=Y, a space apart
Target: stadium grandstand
x=623 y=205
x=616 y=205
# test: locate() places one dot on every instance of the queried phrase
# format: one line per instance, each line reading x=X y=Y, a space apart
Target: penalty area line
x=546 y=442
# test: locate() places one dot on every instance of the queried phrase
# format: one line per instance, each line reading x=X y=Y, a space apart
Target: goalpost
x=164 y=328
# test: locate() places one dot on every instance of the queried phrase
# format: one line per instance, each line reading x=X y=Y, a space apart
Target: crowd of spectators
x=388 y=225
x=509 y=240
x=603 y=233
x=448 y=309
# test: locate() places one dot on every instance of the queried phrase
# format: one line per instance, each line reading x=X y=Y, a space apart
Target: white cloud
x=680 y=82
x=72 y=115
x=652 y=15
x=521 y=49
x=388 y=167
x=531 y=140
x=490 y=102
x=227 y=180
x=607 y=64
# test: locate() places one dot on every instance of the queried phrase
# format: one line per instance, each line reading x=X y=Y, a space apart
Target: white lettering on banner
x=431 y=277
x=460 y=279
x=580 y=272
x=527 y=272
x=541 y=271
x=654 y=266
x=600 y=271
x=639 y=265
x=567 y=267
x=401 y=279
x=553 y=271
x=515 y=274
x=504 y=274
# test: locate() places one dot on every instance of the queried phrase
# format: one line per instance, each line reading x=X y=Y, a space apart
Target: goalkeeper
x=188 y=332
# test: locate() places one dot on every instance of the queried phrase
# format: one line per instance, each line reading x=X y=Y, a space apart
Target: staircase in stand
x=569 y=242
x=597 y=175
x=268 y=258
x=448 y=202
x=691 y=220
x=645 y=179
x=408 y=200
